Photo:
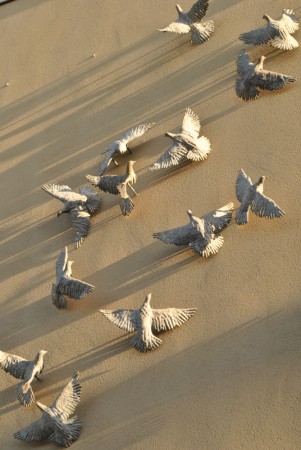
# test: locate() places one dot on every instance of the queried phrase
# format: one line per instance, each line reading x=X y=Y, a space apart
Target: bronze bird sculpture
x=25 y=370
x=145 y=320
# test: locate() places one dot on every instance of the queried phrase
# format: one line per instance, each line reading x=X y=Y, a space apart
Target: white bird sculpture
x=120 y=146
x=55 y=423
x=25 y=370
x=79 y=206
x=253 y=76
x=276 y=33
x=200 y=234
x=145 y=320
x=251 y=196
x=190 y=22
x=117 y=184
x=65 y=284
x=187 y=145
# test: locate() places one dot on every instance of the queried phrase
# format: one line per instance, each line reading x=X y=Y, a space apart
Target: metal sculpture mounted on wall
x=65 y=284
x=79 y=206
x=145 y=320
x=190 y=22
x=55 y=423
x=25 y=370
x=251 y=196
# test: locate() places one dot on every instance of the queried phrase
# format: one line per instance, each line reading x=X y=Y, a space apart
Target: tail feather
x=242 y=216
x=145 y=346
x=58 y=299
x=93 y=179
x=25 y=394
x=245 y=90
x=66 y=435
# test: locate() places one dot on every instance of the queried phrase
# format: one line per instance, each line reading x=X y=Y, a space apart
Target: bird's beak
x=59 y=213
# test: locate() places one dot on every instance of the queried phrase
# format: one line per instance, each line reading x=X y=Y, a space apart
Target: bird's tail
x=145 y=346
x=242 y=216
x=25 y=394
x=211 y=249
x=201 y=32
x=246 y=91
x=65 y=436
x=93 y=179
x=201 y=151
x=58 y=299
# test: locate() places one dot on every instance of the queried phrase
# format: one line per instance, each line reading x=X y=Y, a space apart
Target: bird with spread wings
x=55 y=423
x=253 y=76
x=251 y=197
x=65 y=284
x=202 y=235
x=191 y=22
x=276 y=33
x=145 y=320
x=79 y=206
x=25 y=370
x=187 y=145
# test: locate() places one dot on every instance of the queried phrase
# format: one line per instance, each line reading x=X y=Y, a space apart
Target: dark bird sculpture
x=55 y=423
x=190 y=22
x=200 y=234
x=117 y=184
x=65 y=284
x=276 y=33
x=253 y=76
x=251 y=196
x=79 y=206
x=145 y=320
x=187 y=145
x=25 y=370
x=120 y=146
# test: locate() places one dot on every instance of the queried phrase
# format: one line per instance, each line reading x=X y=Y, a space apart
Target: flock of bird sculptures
x=202 y=235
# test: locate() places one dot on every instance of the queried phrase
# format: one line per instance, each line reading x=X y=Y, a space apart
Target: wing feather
x=243 y=183
x=127 y=319
x=191 y=124
x=220 y=218
x=169 y=318
x=289 y=20
x=265 y=207
x=259 y=36
x=68 y=399
x=172 y=157
x=178 y=236
x=74 y=288
x=135 y=132
x=63 y=193
x=14 y=365
x=198 y=10
x=271 y=81
x=80 y=223
x=36 y=431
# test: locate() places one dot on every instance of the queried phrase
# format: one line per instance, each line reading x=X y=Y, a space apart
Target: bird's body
x=25 y=370
x=253 y=76
x=117 y=184
x=120 y=146
x=55 y=423
x=190 y=22
x=145 y=320
x=187 y=145
x=79 y=206
x=200 y=234
x=276 y=33
x=65 y=284
x=251 y=196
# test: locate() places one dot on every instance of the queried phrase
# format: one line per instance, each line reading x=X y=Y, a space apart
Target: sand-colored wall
x=230 y=378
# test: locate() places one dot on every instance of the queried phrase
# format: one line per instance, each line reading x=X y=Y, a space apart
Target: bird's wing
x=107 y=160
x=243 y=63
x=61 y=262
x=265 y=207
x=201 y=151
x=220 y=218
x=243 y=183
x=135 y=132
x=201 y=32
x=14 y=365
x=127 y=319
x=198 y=10
x=68 y=399
x=63 y=193
x=36 y=431
x=80 y=224
x=271 y=81
x=109 y=183
x=172 y=157
x=93 y=201
x=191 y=124
x=260 y=36
x=178 y=26
x=125 y=202
x=167 y=319
x=289 y=20
x=74 y=288
x=208 y=246
x=178 y=236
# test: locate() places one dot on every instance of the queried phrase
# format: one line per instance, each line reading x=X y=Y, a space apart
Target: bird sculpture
x=65 y=284
x=200 y=234
x=79 y=206
x=251 y=196
x=25 y=370
x=120 y=146
x=145 y=320
x=253 y=76
x=117 y=184
x=55 y=423
x=276 y=33
x=187 y=145
x=190 y=22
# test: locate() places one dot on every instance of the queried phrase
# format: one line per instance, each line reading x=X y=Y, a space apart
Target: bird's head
x=147 y=299
x=42 y=352
x=179 y=9
x=261 y=180
x=266 y=17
